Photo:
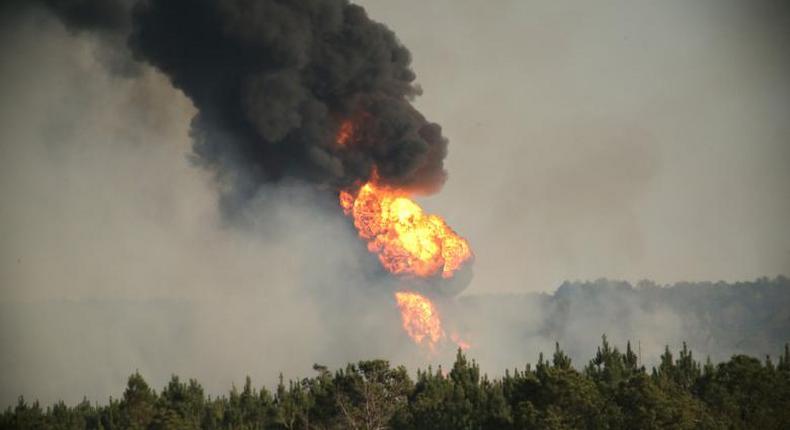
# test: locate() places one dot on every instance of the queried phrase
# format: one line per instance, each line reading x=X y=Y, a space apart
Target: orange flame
x=407 y=241
x=345 y=133
x=420 y=318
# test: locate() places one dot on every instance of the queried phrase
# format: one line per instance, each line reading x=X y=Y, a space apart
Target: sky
x=626 y=140
x=615 y=139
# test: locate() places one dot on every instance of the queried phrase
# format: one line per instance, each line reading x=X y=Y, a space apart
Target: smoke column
x=274 y=82
x=307 y=91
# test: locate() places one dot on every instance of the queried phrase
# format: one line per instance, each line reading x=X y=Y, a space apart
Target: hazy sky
x=633 y=139
x=614 y=139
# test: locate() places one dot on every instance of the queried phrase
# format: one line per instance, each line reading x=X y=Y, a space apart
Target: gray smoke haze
x=626 y=140
x=116 y=255
x=716 y=319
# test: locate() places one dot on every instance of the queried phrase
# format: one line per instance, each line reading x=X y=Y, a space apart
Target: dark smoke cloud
x=273 y=81
x=91 y=15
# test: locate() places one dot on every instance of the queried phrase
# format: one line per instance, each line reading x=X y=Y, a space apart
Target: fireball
x=407 y=241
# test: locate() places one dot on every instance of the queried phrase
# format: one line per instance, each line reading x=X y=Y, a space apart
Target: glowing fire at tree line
x=420 y=318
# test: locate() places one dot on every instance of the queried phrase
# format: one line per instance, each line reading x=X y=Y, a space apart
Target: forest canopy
x=612 y=390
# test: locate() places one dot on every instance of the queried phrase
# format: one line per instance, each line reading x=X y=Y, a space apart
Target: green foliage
x=611 y=392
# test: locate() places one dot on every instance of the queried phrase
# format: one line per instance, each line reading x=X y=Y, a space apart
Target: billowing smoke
x=103 y=16
x=274 y=82
x=302 y=91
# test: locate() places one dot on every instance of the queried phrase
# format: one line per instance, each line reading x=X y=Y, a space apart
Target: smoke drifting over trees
x=199 y=340
x=719 y=318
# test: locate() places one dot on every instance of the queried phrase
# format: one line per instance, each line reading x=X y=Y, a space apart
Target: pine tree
x=137 y=408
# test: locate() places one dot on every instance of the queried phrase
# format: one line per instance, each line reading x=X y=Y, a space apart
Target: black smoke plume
x=273 y=82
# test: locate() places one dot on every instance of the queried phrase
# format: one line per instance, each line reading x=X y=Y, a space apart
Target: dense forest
x=611 y=391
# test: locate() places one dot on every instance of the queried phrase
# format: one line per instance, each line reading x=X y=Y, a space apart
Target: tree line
x=612 y=391
x=718 y=318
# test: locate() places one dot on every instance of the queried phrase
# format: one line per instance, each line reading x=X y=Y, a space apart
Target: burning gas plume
x=421 y=321
x=407 y=241
x=420 y=318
